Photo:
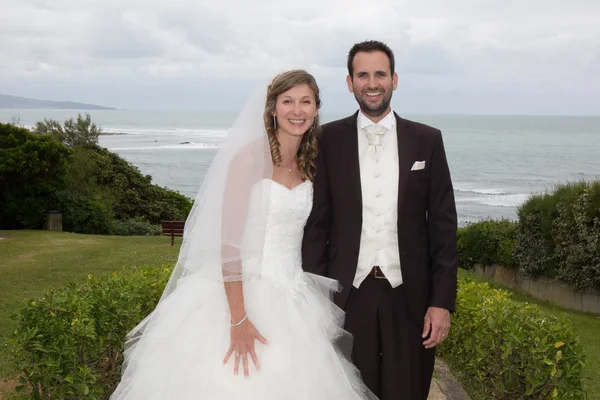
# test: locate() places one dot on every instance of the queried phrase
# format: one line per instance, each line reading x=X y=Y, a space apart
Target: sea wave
x=181 y=146
x=496 y=200
x=217 y=133
x=470 y=189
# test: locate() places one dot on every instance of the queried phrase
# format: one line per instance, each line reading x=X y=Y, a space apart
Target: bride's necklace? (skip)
x=289 y=168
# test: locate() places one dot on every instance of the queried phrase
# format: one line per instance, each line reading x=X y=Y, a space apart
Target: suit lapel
x=407 y=152
x=351 y=155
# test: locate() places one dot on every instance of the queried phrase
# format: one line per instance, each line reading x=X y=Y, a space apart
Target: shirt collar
x=388 y=122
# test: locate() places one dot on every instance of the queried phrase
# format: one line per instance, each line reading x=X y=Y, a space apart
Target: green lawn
x=587 y=325
x=34 y=261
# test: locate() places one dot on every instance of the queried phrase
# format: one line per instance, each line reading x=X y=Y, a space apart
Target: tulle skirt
x=178 y=353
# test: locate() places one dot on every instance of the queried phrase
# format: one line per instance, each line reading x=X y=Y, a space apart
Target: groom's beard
x=371 y=110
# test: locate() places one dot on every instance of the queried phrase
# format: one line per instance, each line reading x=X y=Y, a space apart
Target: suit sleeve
x=316 y=231
x=442 y=226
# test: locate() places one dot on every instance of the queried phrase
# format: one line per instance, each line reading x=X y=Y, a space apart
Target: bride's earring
x=274 y=123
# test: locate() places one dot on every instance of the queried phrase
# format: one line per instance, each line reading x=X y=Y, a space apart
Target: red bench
x=172 y=228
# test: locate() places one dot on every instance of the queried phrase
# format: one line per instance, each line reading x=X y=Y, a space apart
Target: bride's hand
x=242 y=344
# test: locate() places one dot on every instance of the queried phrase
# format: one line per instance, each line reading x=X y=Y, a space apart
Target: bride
x=239 y=319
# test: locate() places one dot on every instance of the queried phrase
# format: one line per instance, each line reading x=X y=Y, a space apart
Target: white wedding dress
x=180 y=354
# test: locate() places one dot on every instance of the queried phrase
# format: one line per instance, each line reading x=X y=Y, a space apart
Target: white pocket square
x=418 y=165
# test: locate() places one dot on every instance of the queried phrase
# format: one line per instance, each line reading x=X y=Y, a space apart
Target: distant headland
x=16 y=102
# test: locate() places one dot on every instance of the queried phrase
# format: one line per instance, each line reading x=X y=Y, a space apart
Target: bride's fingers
x=229 y=352
x=260 y=338
x=236 y=368
x=254 y=358
x=245 y=363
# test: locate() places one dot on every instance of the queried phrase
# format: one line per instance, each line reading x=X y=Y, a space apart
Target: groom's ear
x=395 y=80
x=350 y=86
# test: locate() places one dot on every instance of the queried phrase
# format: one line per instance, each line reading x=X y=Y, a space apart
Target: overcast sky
x=458 y=56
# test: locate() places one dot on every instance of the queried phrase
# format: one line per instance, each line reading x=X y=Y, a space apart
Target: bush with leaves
x=32 y=168
x=133 y=194
x=505 y=351
x=102 y=186
x=85 y=206
x=487 y=242
x=576 y=234
x=68 y=344
x=559 y=235
x=83 y=212
x=135 y=227
x=535 y=250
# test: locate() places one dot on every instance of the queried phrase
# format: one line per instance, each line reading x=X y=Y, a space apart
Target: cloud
x=120 y=52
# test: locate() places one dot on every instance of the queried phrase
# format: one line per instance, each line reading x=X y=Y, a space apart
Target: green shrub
x=487 y=242
x=535 y=250
x=133 y=194
x=576 y=234
x=83 y=213
x=508 y=351
x=32 y=167
x=62 y=167
x=68 y=344
x=559 y=235
x=135 y=227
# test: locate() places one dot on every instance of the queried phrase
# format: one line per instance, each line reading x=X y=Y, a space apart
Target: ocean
x=496 y=162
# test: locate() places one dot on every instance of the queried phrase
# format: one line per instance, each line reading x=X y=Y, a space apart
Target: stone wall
x=543 y=288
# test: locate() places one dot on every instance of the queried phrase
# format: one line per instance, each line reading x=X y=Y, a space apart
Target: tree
x=133 y=194
x=63 y=168
x=82 y=132
x=32 y=168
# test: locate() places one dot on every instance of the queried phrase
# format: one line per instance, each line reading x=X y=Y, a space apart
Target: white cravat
x=375 y=135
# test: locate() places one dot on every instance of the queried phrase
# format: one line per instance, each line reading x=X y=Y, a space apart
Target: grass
x=32 y=262
x=587 y=325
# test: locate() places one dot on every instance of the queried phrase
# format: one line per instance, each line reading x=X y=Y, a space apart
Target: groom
x=383 y=224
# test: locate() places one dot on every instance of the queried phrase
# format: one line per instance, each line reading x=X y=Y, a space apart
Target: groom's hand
x=437 y=326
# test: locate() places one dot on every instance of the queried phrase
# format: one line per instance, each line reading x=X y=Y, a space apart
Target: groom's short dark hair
x=370 y=46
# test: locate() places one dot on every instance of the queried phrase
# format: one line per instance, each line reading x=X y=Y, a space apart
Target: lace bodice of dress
x=281 y=257
x=288 y=212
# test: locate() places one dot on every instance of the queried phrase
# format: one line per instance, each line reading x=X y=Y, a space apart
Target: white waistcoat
x=379 y=183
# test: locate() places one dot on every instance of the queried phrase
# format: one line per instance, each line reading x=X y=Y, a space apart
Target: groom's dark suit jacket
x=426 y=215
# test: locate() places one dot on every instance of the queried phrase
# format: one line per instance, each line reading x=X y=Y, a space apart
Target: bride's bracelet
x=241 y=322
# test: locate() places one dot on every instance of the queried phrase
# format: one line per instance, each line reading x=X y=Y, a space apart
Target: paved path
x=444 y=385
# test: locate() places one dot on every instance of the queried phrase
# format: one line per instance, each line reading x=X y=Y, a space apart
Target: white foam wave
x=187 y=146
x=489 y=191
x=471 y=189
x=501 y=200
x=218 y=133
x=191 y=146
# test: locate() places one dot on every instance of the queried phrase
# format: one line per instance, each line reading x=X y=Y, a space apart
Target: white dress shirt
x=379 y=183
